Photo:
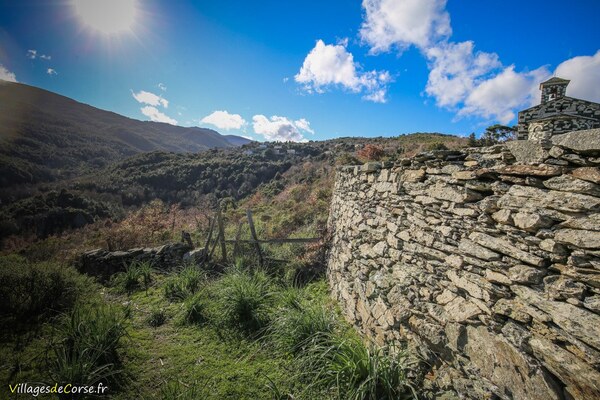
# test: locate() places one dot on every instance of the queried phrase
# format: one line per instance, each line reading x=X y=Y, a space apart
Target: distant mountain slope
x=46 y=136
x=237 y=140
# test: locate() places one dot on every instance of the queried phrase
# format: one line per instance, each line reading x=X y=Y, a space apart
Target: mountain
x=45 y=136
x=237 y=140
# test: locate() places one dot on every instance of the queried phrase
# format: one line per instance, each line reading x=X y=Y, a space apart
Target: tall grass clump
x=184 y=283
x=244 y=300
x=175 y=390
x=196 y=309
x=87 y=351
x=354 y=371
x=30 y=291
x=136 y=275
x=302 y=325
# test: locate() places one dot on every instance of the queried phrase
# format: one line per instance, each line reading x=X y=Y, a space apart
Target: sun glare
x=108 y=17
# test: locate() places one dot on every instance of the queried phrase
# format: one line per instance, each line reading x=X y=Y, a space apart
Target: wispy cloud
x=281 y=129
x=224 y=120
x=162 y=87
x=33 y=54
x=6 y=75
x=51 y=71
x=329 y=65
x=155 y=115
x=149 y=98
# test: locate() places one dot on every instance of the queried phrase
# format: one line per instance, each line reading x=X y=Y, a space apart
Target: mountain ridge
x=42 y=131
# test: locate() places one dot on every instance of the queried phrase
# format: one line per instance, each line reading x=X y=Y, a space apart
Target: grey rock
x=568 y=183
x=580 y=238
x=583 y=142
x=527 y=151
x=504 y=247
x=525 y=274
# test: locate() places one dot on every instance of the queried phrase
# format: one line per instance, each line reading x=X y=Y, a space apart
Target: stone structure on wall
x=487 y=267
x=557 y=113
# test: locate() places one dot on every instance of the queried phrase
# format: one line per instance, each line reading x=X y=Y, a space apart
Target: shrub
x=371 y=152
x=89 y=340
x=34 y=290
x=437 y=146
x=244 y=300
x=359 y=372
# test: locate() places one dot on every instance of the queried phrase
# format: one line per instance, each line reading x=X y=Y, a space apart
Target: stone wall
x=486 y=267
x=103 y=264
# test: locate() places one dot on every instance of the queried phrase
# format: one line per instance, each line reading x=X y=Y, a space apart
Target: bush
x=437 y=146
x=371 y=152
x=244 y=300
x=89 y=341
x=359 y=372
x=36 y=290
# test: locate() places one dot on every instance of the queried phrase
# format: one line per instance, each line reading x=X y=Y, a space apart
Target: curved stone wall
x=487 y=267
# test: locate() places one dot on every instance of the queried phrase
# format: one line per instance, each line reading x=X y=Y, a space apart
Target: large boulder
x=584 y=142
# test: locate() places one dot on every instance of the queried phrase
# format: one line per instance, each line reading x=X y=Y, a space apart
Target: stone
x=551 y=246
x=568 y=183
x=591 y=222
x=506 y=367
x=525 y=274
x=446 y=297
x=592 y=303
x=588 y=276
x=413 y=175
x=576 y=321
x=527 y=151
x=503 y=217
x=561 y=288
x=543 y=170
x=580 y=238
x=556 y=151
x=590 y=174
x=472 y=163
x=473 y=249
x=512 y=309
x=583 y=142
x=530 y=222
x=370 y=167
x=460 y=310
x=497 y=277
x=453 y=193
x=519 y=197
x=504 y=247
x=582 y=381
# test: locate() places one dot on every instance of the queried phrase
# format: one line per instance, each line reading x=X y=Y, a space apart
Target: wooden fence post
x=255 y=238
x=222 y=236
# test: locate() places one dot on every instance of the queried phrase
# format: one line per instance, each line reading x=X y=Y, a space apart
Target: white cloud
x=304 y=125
x=402 y=23
x=332 y=65
x=155 y=115
x=162 y=87
x=6 y=75
x=51 y=71
x=497 y=98
x=149 y=98
x=224 y=120
x=33 y=54
x=281 y=128
x=584 y=73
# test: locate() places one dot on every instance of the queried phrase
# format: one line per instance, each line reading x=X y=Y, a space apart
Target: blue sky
x=298 y=70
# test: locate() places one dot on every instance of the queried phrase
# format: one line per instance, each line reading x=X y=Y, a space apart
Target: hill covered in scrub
x=45 y=136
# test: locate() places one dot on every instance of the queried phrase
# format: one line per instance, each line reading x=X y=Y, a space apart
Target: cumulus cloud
x=281 y=129
x=6 y=75
x=328 y=65
x=224 y=120
x=402 y=23
x=33 y=54
x=584 y=73
x=149 y=98
x=155 y=115
x=469 y=82
x=51 y=71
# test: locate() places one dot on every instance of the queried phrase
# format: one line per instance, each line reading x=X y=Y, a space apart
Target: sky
x=305 y=70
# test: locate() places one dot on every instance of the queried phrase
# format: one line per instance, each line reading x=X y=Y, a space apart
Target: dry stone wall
x=485 y=262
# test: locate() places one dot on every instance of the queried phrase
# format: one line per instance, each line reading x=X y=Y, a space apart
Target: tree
x=473 y=140
x=498 y=133
x=371 y=153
